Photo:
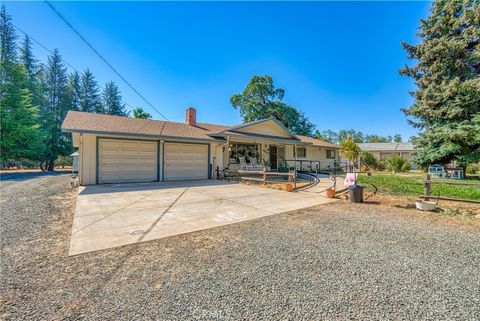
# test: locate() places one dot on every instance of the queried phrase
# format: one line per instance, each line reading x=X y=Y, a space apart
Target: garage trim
x=119 y=138
x=160 y=154
x=209 y=171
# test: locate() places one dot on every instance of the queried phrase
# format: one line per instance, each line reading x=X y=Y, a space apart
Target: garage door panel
x=122 y=161
x=185 y=161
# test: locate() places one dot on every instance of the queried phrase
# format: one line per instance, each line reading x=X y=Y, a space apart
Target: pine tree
x=446 y=108
x=33 y=71
x=89 y=94
x=8 y=53
x=73 y=91
x=8 y=47
x=55 y=110
x=112 y=100
x=27 y=59
x=20 y=137
x=140 y=113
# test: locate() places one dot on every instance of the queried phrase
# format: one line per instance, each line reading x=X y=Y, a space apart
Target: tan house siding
x=312 y=154
x=88 y=156
x=87 y=159
x=88 y=128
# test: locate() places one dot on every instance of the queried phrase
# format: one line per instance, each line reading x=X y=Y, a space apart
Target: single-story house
x=115 y=149
x=385 y=150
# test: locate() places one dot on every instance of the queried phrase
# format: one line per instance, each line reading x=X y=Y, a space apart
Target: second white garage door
x=185 y=161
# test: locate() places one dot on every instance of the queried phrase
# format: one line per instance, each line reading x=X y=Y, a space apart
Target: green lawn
x=413 y=185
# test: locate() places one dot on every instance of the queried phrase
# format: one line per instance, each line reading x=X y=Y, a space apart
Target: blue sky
x=337 y=61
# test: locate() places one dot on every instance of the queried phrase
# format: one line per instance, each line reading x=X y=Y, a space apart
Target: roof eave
x=99 y=133
x=258 y=137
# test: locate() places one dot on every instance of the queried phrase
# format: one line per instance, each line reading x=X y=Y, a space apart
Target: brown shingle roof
x=212 y=127
x=108 y=124
x=316 y=142
x=98 y=123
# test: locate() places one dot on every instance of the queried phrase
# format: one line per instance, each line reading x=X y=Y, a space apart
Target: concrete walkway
x=108 y=216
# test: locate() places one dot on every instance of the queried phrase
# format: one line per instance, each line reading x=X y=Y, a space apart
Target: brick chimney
x=191 y=116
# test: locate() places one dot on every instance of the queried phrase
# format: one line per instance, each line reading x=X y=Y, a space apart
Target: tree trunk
x=51 y=166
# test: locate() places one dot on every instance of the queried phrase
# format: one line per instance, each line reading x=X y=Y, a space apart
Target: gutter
x=170 y=138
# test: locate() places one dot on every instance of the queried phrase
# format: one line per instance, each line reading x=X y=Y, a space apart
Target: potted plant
x=351 y=151
x=330 y=192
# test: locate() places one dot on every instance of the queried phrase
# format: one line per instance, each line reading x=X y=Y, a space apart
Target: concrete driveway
x=108 y=216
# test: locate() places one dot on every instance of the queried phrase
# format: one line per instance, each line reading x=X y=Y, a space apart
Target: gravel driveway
x=334 y=261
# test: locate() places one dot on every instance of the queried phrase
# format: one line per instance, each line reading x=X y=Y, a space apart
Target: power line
x=38 y=43
x=51 y=52
x=103 y=58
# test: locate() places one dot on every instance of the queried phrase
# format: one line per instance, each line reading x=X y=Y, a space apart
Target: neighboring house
x=114 y=149
x=386 y=150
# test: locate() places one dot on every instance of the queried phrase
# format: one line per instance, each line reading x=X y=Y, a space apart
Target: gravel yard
x=335 y=261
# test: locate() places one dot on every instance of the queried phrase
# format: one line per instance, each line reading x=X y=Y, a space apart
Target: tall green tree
x=140 y=113
x=260 y=100
x=20 y=137
x=356 y=136
x=33 y=71
x=112 y=100
x=90 y=94
x=8 y=47
x=446 y=72
x=55 y=109
x=327 y=135
x=73 y=91
x=397 y=138
x=27 y=59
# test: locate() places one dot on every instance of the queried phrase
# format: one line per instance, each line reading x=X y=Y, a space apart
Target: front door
x=273 y=157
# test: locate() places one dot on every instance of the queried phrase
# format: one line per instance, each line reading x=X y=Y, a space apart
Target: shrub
x=406 y=167
x=369 y=160
x=472 y=169
x=397 y=164
x=381 y=165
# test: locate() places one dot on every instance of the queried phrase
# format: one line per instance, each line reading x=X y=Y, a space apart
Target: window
x=301 y=152
x=249 y=151
x=330 y=154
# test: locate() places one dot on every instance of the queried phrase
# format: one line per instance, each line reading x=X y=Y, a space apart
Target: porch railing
x=316 y=166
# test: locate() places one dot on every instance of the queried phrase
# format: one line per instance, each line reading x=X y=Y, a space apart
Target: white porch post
x=295 y=166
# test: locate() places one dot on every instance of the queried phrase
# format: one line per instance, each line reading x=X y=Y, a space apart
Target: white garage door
x=122 y=161
x=185 y=161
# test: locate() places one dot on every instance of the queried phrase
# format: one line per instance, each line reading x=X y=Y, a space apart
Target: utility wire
x=51 y=52
x=103 y=58
x=38 y=43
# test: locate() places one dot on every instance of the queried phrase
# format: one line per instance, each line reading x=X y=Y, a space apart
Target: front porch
x=237 y=156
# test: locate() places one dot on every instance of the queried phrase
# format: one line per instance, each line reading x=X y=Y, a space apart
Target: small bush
x=406 y=167
x=472 y=169
x=397 y=164
x=369 y=160
x=381 y=165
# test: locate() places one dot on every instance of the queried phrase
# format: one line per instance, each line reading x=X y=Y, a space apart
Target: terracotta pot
x=330 y=193
x=288 y=187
